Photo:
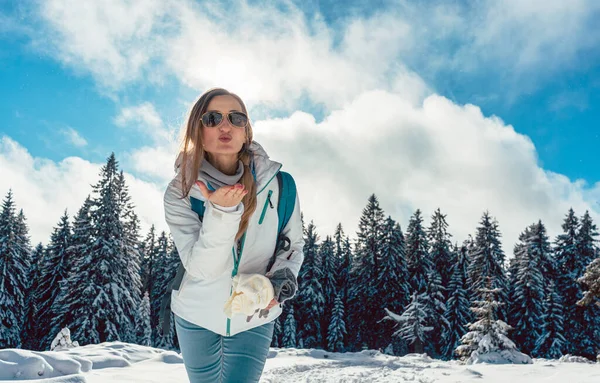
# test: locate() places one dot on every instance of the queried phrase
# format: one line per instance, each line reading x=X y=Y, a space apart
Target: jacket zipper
x=240 y=245
x=264 y=210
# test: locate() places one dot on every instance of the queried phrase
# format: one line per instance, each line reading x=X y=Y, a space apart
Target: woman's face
x=215 y=138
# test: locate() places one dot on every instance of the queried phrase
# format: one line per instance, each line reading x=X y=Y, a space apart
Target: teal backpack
x=285 y=207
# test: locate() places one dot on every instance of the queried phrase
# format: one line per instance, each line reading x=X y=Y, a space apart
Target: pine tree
x=166 y=265
x=310 y=300
x=53 y=269
x=551 y=343
x=417 y=257
x=364 y=294
x=488 y=340
x=458 y=313
x=277 y=332
x=23 y=243
x=412 y=323
x=435 y=308
x=589 y=339
x=392 y=283
x=343 y=252
x=329 y=269
x=149 y=256
x=80 y=289
x=487 y=262
x=572 y=250
x=527 y=303
x=337 y=327
x=31 y=305
x=143 y=330
x=14 y=266
x=440 y=247
x=289 y=329
x=591 y=281
x=131 y=260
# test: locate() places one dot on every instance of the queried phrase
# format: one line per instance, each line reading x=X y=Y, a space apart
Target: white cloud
x=156 y=161
x=44 y=189
x=74 y=137
x=275 y=56
x=438 y=154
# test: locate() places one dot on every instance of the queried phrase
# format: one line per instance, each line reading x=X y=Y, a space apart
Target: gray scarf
x=216 y=178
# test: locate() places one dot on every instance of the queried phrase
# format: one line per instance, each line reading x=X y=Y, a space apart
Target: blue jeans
x=212 y=358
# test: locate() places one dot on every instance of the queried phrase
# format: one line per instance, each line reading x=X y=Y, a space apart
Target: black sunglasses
x=214 y=118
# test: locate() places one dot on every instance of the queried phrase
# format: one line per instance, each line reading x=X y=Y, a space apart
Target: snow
x=124 y=362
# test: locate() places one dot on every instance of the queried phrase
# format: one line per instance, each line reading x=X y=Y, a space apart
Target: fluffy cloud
x=44 y=189
x=437 y=154
x=277 y=55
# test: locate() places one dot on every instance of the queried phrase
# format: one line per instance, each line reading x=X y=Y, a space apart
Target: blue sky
x=83 y=81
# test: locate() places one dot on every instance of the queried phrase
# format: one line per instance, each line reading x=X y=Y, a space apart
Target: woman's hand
x=226 y=196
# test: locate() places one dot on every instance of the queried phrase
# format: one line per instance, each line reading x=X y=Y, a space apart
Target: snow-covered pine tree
x=591 y=282
x=31 y=306
x=309 y=299
x=166 y=265
x=289 y=329
x=343 y=252
x=329 y=270
x=487 y=262
x=440 y=247
x=411 y=324
x=435 y=306
x=417 y=256
x=149 y=256
x=589 y=340
x=527 y=304
x=54 y=268
x=143 y=330
x=14 y=266
x=277 y=332
x=574 y=248
x=551 y=343
x=541 y=249
x=24 y=248
x=63 y=341
x=112 y=293
x=487 y=342
x=393 y=282
x=363 y=276
x=131 y=261
x=336 y=331
x=458 y=306
x=569 y=265
x=80 y=289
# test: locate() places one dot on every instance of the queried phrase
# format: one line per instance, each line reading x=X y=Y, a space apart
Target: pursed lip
x=225 y=137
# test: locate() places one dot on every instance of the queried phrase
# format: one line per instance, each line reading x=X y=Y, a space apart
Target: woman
x=226 y=252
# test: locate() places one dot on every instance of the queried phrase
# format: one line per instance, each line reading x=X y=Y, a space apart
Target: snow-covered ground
x=123 y=362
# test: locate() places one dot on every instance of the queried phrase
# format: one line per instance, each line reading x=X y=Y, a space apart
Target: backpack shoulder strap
x=285 y=207
x=287 y=199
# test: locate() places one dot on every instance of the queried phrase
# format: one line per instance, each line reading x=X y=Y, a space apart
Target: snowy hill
x=124 y=362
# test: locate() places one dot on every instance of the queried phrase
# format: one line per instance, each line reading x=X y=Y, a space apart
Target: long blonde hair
x=191 y=154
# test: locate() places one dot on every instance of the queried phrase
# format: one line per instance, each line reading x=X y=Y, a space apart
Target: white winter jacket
x=207 y=248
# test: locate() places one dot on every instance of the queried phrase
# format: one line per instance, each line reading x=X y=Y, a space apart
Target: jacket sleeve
x=204 y=247
x=293 y=257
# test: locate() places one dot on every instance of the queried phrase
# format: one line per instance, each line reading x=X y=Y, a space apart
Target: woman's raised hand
x=226 y=196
